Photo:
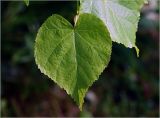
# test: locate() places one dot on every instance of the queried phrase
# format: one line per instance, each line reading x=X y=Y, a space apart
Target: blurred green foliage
x=128 y=86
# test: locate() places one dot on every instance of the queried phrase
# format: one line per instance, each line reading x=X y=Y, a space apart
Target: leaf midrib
x=56 y=47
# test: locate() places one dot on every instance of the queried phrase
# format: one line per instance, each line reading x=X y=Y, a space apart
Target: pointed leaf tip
x=137 y=50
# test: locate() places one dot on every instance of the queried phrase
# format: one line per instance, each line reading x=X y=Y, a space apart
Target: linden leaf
x=73 y=57
x=120 y=16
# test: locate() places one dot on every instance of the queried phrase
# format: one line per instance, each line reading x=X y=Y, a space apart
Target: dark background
x=129 y=86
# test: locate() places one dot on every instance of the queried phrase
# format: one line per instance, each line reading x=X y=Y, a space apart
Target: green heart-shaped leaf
x=73 y=57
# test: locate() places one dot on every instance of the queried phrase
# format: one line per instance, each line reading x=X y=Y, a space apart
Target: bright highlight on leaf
x=73 y=57
x=120 y=16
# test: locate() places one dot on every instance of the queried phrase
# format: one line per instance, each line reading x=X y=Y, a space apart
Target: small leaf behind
x=120 y=16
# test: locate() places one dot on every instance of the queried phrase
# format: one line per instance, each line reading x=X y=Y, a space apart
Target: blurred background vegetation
x=129 y=86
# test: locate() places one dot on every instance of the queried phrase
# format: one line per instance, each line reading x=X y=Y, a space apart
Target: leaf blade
x=73 y=57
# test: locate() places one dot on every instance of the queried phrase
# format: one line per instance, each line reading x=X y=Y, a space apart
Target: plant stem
x=77 y=15
x=77 y=6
